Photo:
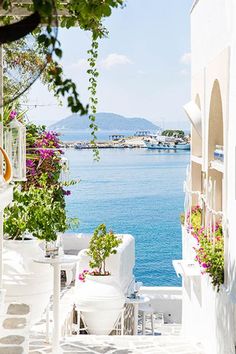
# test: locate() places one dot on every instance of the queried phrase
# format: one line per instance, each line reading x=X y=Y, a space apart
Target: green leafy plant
x=39 y=205
x=174 y=133
x=101 y=246
x=16 y=217
x=93 y=73
x=210 y=255
x=39 y=210
x=47 y=214
x=182 y=218
x=194 y=220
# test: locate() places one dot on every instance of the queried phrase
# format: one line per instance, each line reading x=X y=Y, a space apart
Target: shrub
x=210 y=250
x=101 y=246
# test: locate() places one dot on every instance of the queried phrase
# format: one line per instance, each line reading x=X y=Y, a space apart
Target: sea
x=135 y=191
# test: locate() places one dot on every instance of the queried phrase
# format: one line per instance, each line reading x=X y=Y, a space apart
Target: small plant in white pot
x=101 y=246
x=100 y=297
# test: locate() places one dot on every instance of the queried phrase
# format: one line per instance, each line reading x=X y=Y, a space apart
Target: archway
x=216 y=142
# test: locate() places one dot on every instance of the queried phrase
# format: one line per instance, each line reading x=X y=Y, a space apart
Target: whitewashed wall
x=208 y=316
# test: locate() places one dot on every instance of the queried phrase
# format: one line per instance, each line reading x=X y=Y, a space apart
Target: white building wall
x=209 y=316
x=231 y=165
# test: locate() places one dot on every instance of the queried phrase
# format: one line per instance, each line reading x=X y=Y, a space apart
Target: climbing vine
x=93 y=74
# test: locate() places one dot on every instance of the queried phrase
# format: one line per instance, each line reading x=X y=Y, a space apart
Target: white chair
x=146 y=310
x=69 y=269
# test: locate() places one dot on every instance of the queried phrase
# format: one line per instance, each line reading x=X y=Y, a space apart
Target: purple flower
x=66 y=192
x=29 y=163
x=45 y=153
x=205 y=265
x=30 y=167
x=13 y=115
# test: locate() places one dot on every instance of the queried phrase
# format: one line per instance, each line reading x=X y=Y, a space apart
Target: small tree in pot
x=101 y=246
x=100 y=295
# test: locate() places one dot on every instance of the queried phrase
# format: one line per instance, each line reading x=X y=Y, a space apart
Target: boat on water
x=166 y=143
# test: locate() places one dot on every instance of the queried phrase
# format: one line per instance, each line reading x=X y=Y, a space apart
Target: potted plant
x=100 y=297
x=101 y=246
x=24 y=280
x=37 y=213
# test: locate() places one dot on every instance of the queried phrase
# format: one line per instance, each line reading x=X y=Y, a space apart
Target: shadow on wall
x=193 y=288
x=197 y=289
x=225 y=316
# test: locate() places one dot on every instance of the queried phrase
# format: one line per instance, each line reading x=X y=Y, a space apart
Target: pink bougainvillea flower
x=82 y=276
x=31 y=169
x=46 y=153
x=205 y=265
x=12 y=115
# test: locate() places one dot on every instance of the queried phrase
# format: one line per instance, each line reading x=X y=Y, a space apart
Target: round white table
x=140 y=299
x=56 y=263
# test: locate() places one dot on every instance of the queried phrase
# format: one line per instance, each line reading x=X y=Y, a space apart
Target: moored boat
x=160 y=145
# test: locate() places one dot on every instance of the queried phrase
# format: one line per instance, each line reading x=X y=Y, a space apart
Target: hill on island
x=105 y=122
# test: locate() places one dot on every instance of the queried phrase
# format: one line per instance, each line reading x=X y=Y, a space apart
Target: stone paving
x=167 y=340
x=14 y=329
x=130 y=345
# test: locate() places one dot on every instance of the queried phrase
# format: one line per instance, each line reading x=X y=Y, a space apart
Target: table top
x=140 y=299
x=63 y=259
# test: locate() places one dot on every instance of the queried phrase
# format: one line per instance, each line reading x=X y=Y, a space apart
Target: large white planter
x=24 y=280
x=100 y=299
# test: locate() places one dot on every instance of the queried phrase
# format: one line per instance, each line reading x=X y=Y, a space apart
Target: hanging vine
x=93 y=101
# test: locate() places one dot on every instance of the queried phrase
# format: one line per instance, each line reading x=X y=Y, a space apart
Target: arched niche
x=216 y=126
x=215 y=137
x=196 y=138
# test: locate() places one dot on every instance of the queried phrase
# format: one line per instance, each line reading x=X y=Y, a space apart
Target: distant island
x=106 y=122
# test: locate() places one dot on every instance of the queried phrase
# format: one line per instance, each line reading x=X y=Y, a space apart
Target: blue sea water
x=136 y=191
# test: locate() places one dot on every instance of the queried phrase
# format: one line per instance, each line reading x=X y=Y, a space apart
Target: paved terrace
x=167 y=340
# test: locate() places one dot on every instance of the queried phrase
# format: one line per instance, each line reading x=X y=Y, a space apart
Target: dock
x=122 y=143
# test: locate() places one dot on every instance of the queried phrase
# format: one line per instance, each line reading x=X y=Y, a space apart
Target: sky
x=144 y=65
